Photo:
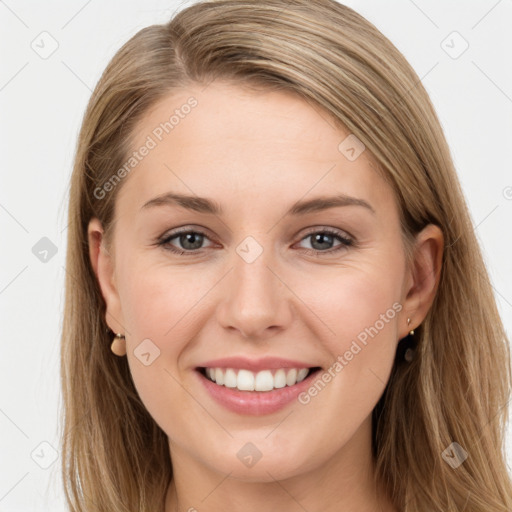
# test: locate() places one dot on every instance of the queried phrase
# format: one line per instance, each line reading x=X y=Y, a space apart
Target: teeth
x=230 y=379
x=291 y=377
x=219 y=376
x=265 y=380
x=302 y=374
x=244 y=381
x=280 y=379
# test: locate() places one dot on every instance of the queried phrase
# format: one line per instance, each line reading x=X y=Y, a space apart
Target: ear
x=103 y=266
x=423 y=277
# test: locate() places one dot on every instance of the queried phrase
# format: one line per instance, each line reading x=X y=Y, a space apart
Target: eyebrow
x=204 y=205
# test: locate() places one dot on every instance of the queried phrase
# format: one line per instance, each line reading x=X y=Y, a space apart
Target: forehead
x=223 y=140
x=224 y=112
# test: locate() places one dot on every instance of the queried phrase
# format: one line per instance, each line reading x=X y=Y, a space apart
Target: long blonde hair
x=114 y=456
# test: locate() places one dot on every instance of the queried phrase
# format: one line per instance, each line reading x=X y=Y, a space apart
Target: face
x=272 y=285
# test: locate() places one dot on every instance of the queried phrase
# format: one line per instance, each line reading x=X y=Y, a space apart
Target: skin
x=256 y=154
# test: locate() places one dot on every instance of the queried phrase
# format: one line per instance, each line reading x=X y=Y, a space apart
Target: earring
x=118 y=346
x=410 y=351
x=405 y=349
x=412 y=331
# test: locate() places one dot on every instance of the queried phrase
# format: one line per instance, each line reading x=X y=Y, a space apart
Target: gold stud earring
x=411 y=332
x=118 y=346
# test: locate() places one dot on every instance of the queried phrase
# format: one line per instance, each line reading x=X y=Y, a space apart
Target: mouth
x=255 y=386
x=267 y=380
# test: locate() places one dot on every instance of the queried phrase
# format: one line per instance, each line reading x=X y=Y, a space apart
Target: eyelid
x=186 y=229
x=335 y=231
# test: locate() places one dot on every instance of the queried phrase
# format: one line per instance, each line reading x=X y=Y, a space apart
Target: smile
x=257 y=389
x=264 y=380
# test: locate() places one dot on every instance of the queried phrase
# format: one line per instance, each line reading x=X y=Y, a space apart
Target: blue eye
x=192 y=240
x=186 y=238
x=327 y=236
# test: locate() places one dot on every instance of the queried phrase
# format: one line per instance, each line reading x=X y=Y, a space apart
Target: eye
x=322 y=240
x=190 y=240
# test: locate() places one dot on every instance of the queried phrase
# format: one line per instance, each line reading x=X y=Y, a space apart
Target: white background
x=42 y=102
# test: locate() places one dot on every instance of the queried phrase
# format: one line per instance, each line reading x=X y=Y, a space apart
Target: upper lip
x=255 y=365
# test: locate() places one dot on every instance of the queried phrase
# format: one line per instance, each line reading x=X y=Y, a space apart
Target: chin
x=266 y=465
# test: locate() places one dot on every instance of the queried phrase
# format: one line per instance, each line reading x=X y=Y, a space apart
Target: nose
x=256 y=301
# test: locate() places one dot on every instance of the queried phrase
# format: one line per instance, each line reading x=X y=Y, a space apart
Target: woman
x=216 y=354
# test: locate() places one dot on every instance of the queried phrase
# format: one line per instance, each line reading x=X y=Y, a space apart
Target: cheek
x=357 y=304
x=158 y=299
x=362 y=306
x=362 y=309
x=157 y=304
x=163 y=304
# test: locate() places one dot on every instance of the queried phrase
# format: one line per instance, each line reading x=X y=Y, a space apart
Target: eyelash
x=345 y=241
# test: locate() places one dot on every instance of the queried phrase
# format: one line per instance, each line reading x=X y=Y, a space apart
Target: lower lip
x=255 y=403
